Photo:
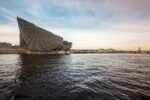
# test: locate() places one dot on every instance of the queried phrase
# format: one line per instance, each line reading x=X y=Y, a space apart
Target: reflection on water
x=39 y=75
x=75 y=77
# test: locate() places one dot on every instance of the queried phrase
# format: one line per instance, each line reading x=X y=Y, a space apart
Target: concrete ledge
x=53 y=52
x=24 y=51
x=11 y=51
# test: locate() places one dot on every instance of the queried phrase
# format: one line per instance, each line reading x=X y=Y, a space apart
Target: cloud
x=8 y=14
x=79 y=13
x=128 y=6
x=101 y=6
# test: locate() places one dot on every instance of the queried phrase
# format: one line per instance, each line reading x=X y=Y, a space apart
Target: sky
x=88 y=24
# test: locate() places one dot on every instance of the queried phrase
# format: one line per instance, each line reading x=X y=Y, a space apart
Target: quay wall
x=24 y=51
x=12 y=51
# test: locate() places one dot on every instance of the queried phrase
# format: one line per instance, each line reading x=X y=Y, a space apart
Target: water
x=75 y=77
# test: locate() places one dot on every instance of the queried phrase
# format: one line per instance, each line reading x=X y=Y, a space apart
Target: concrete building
x=34 y=38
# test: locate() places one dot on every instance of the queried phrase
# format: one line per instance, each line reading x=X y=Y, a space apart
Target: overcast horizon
x=88 y=24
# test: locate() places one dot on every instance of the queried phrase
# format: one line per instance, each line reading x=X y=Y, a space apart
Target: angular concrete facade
x=34 y=38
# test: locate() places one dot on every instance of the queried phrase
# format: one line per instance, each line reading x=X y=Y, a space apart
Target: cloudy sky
x=119 y=24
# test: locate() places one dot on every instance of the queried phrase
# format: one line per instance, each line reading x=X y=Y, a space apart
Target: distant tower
x=139 y=49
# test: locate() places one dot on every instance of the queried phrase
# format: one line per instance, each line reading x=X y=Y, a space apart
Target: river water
x=75 y=77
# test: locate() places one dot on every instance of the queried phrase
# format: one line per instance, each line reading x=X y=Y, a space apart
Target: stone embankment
x=24 y=51
x=12 y=51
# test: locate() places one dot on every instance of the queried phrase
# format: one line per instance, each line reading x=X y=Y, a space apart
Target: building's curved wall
x=37 y=39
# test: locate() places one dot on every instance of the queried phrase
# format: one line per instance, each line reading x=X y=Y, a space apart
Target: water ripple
x=75 y=77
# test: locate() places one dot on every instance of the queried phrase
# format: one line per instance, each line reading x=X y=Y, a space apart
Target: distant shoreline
x=76 y=51
x=109 y=51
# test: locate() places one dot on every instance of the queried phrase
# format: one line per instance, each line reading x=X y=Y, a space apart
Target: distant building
x=34 y=38
x=16 y=46
x=110 y=50
x=139 y=49
x=5 y=45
